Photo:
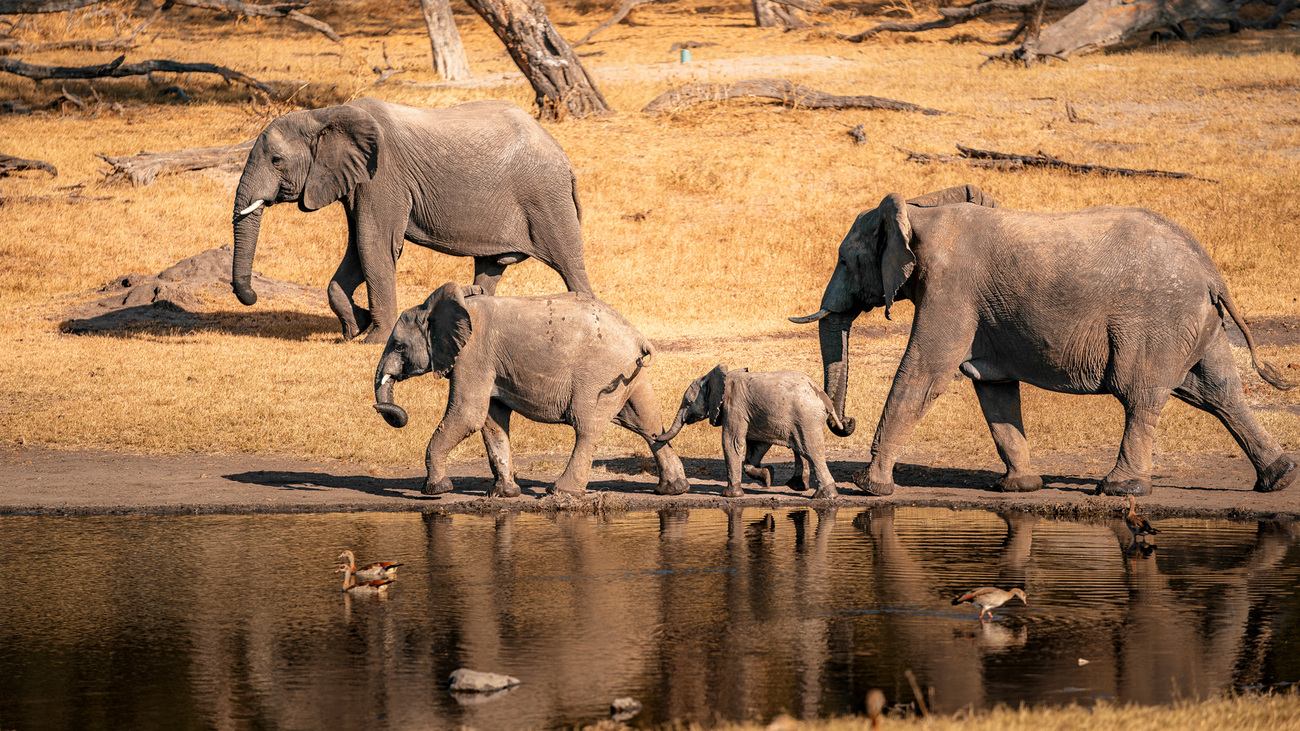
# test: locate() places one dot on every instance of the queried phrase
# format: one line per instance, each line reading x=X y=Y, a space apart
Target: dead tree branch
x=144 y=167
x=620 y=14
x=117 y=69
x=9 y=46
x=783 y=90
x=1012 y=161
x=290 y=10
x=11 y=164
x=949 y=17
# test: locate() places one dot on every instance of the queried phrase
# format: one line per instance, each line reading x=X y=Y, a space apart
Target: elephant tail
x=643 y=361
x=573 y=185
x=1267 y=371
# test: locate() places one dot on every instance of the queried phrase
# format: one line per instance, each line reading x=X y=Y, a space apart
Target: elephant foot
x=676 y=487
x=1023 y=483
x=864 y=482
x=796 y=483
x=437 y=488
x=1278 y=476
x=376 y=334
x=733 y=491
x=504 y=489
x=569 y=491
x=826 y=493
x=761 y=475
x=1136 y=488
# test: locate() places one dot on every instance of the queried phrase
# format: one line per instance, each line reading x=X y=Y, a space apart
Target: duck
x=352 y=586
x=1138 y=524
x=875 y=707
x=372 y=571
x=988 y=598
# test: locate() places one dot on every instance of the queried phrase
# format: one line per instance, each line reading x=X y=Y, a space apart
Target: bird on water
x=988 y=598
x=371 y=571
x=1138 y=525
x=352 y=586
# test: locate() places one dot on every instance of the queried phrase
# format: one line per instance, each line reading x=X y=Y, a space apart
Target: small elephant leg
x=573 y=481
x=641 y=415
x=487 y=273
x=1132 y=472
x=496 y=438
x=753 y=465
x=810 y=444
x=450 y=432
x=1000 y=403
x=733 y=454
x=1213 y=385
x=342 y=285
x=800 y=480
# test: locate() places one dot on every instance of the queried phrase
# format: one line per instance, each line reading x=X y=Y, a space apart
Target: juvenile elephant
x=756 y=411
x=481 y=179
x=1103 y=300
x=557 y=359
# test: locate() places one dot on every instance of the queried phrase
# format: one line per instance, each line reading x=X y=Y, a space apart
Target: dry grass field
x=744 y=202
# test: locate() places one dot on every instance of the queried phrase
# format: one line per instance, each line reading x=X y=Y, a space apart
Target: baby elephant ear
x=716 y=385
x=896 y=258
x=449 y=327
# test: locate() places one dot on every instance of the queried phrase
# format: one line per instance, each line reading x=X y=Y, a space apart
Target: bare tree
x=448 y=53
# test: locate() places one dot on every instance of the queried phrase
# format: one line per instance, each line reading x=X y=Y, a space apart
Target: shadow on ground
x=154 y=319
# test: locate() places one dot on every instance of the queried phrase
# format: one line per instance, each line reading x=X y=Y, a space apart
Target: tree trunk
x=448 y=53
x=1100 y=24
x=564 y=90
x=774 y=14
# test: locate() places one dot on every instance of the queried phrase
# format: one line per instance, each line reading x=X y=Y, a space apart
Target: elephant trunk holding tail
x=481 y=179
x=1104 y=300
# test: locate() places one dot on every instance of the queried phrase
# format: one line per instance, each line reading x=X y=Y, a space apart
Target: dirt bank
x=55 y=482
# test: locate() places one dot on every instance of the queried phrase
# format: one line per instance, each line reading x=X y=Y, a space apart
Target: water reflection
x=229 y=622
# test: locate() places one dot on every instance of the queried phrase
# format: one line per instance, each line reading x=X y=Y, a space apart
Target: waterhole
x=705 y=616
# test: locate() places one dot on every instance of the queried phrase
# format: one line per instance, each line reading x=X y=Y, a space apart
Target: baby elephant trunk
x=393 y=414
x=676 y=427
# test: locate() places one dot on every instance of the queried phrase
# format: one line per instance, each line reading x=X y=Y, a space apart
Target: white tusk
x=810 y=318
x=384 y=381
x=256 y=204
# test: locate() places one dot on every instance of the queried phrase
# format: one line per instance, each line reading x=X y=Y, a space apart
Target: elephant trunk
x=833 y=332
x=246 y=227
x=384 y=379
x=676 y=427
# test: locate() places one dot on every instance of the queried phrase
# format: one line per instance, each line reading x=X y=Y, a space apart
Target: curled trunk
x=393 y=414
x=833 y=332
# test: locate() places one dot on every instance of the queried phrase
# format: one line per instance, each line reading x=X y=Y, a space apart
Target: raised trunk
x=448 y=52
x=833 y=332
x=676 y=427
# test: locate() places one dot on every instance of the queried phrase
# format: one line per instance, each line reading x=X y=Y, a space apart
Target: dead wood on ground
x=783 y=90
x=290 y=10
x=623 y=9
x=1012 y=161
x=143 y=167
x=11 y=164
x=117 y=69
x=949 y=17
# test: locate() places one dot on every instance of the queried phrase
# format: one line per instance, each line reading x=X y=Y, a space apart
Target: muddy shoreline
x=51 y=482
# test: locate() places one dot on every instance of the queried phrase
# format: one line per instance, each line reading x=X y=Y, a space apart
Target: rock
x=464 y=680
x=621 y=709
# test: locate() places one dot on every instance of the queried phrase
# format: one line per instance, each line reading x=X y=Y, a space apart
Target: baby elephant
x=558 y=359
x=756 y=411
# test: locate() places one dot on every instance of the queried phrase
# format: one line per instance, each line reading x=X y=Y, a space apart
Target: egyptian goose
x=988 y=598
x=1138 y=524
x=370 y=572
x=352 y=586
x=875 y=706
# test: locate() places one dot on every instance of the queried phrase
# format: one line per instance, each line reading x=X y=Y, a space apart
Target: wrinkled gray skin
x=1103 y=300
x=481 y=179
x=756 y=411
x=558 y=359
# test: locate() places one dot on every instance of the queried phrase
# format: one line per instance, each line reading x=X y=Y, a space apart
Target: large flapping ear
x=344 y=153
x=896 y=258
x=956 y=194
x=716 y=387
x=449 y=327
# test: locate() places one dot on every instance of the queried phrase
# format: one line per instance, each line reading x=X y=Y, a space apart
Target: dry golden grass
x=1241 y=713
x=746 y=204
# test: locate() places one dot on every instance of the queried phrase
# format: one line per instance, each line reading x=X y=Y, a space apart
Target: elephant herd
x=1103 y=300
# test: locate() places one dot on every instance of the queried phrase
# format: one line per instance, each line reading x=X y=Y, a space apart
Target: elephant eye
x=276 y=159
x=400 y=347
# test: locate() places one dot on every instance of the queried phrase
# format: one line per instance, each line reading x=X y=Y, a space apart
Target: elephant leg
x=811 y=445
x=640 y=415
x=342 y=285
x=573 y=481
x=379 y=243
x=800 y=480
x=1213 y=385
x=487 y=273
x=1132 y=472
x=753 y=465
x=557 y=242
x=496 y=438
x=733 y=454
x=450 y=432
x=1000 y=403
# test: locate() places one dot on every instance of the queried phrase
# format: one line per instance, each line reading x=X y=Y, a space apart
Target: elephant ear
x=449 y=327
x=717 y=388
x=896 y=258
x=344 y=153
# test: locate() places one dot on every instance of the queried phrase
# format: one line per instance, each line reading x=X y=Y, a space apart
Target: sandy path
x=45 y=481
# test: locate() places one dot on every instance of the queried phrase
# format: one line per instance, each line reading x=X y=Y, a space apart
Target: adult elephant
x=481 y=179
x=1103 y=300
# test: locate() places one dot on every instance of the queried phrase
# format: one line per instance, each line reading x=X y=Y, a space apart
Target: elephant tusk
x=384 y=381
x=810 y=318
x=256 y=204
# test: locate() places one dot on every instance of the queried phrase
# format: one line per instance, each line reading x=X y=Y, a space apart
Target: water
x=237 y=621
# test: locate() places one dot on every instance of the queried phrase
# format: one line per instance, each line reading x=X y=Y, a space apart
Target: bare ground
x=40 y=481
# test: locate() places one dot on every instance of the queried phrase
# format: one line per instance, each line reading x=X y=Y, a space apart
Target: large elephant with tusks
x=1103 y=300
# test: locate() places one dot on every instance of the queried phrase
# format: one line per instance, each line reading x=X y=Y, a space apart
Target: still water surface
x=238 y=622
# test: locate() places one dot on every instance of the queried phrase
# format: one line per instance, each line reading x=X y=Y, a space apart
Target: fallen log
x=1101 y=24
x=11 y=164
x=949 y=17
x=288 y=10
x=144 y=167
x=1011 y=161
x=117 y=69
x=783 y=90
